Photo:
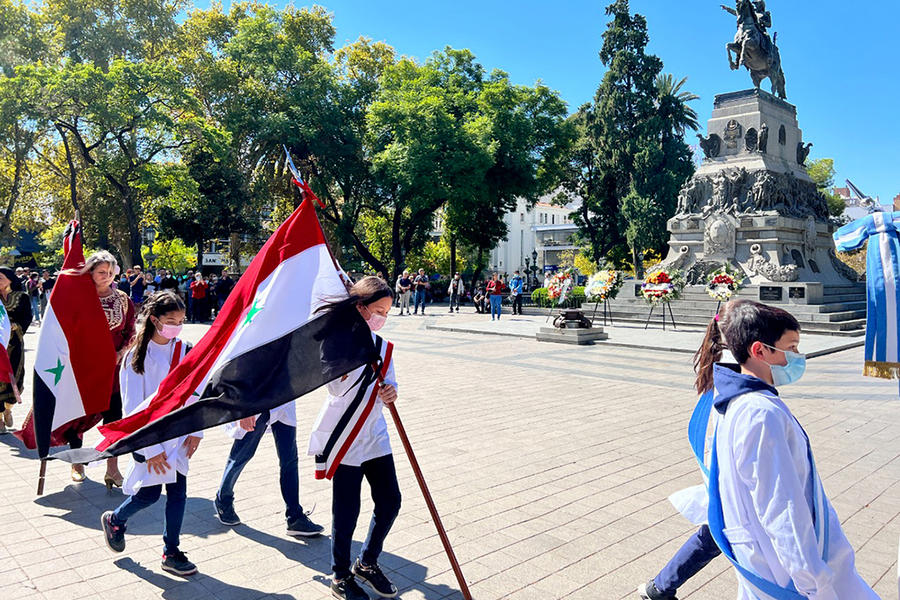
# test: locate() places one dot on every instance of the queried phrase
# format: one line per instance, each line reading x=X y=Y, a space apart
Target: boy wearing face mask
x=767 y=512
x=156 y=351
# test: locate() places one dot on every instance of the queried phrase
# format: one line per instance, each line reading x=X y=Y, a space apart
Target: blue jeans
x=695 y=554
x=420 y=297
x=496 y=305
x=36 y=308
x=176 y=496
x=243 y=450
x=345 y=501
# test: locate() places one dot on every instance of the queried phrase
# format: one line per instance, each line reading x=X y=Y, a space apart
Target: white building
x=545 y=229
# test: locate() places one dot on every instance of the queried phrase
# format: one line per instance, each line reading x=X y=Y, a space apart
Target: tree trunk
x=234 y=244
x=452 y=256
x=478 y=267
x=199 y=256
x=16 y=184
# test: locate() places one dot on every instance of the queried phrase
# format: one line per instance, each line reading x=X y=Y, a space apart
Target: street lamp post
x=534 y=265
x=149 y=237
x=527 y=274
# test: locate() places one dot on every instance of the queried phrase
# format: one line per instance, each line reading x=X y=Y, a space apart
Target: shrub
x=574 y=300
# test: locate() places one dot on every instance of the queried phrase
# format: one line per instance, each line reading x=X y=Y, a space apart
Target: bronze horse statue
x=752 y=46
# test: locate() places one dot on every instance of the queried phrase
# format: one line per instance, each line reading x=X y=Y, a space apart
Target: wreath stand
x=607 y=312
x=671 y=316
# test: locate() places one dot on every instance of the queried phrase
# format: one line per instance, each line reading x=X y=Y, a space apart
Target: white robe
x=372 y=441
x=767 y=492
x=136 y=392
x=286 y=413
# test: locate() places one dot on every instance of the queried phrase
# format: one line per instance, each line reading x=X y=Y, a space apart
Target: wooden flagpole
x=40 y=487
x=463 y=587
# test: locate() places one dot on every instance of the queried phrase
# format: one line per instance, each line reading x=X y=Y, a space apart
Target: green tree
x=821 y=171
x=629 y=145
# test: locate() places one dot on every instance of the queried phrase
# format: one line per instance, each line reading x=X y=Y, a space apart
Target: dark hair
x=15 y=284
x=736 y=327
x=367 y=290
x=156 y=305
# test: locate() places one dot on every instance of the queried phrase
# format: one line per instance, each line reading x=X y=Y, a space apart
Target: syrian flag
x=75 y=361
x=268 y=346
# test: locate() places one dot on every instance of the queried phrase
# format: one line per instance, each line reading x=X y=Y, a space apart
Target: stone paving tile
x=550 y=466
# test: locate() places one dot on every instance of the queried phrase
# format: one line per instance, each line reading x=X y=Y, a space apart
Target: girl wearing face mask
x=346 y=453
x=767 y=508
x=156 y=351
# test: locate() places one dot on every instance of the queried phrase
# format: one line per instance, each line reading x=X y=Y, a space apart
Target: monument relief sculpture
x=763 y=140
x=732 y=134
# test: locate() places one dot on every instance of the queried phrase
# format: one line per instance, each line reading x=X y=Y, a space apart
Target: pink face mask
x=170 y=332
x=376 y=321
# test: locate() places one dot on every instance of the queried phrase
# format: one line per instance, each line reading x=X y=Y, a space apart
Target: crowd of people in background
x=487 y=296
x=203 y=293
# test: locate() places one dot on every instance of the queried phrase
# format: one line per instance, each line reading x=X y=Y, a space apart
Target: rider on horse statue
x=752 y=46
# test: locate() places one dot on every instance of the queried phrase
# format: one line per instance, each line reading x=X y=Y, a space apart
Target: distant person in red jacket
x=495 y=293
x=199 y=298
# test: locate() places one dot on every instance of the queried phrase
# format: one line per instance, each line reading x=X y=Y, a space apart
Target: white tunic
x=136 y=391
x=767 y=499
x=372 y=441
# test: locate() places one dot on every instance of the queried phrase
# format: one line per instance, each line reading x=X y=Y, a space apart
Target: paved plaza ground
x=550 y=464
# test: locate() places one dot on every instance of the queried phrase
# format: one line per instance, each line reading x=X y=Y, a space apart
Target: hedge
x=574 y=300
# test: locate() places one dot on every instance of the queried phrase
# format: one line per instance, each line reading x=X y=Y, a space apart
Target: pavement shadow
x=196 y=586
x=313 y=552
x=17 y=448
x=84 y=502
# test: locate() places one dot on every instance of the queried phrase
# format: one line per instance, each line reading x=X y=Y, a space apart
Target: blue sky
x=842 y=70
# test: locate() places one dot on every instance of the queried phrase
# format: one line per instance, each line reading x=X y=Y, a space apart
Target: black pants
x=517 y=304
x=345 y=502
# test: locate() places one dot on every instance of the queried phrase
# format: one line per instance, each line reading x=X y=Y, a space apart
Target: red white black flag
x=268 y=345
x=75 y=361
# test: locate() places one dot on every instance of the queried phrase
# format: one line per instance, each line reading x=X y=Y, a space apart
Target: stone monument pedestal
x=751 y=203
x=580 y=336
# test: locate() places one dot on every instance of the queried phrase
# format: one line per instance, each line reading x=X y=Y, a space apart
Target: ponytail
x=156 y=305
x=709 y=353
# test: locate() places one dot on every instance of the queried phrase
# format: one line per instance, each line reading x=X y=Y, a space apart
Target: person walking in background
x=137 y=286
x=199 y=290
x=405 y=286
x=33 y=288
x=456 y=290
x=516 y=289
x=47 y=284
x=479 y=298
x=124 y=282
x=495 y=294
x=185 y=288
x=420 y=283
x=223 y=289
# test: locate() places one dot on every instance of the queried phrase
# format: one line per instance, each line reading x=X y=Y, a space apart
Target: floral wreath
x=723 y=284
x=662 y=286
x=559 y=285
x=604 y=285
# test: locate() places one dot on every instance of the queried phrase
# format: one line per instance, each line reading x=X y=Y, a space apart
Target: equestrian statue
x=752 y=47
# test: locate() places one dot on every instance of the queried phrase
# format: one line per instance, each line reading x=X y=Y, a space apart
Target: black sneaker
x=648 y=591
x=226 y=514
x=376 y=580
x=302 y=526
x=347 y=589
x=115 y=534
x=178 y=564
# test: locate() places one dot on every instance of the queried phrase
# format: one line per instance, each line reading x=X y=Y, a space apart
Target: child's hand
x=191 y=443
x=387 y=393
x=248 y=423
x=158 y=464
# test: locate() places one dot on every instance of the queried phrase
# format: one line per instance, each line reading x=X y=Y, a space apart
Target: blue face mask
x=792 y=371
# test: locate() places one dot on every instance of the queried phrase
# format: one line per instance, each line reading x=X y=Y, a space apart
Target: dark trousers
x=243 y=450
x=176 y=497
x=189 y=306
x=695 y=554
x=454 y=301
x=345 y=502
x=517 y=304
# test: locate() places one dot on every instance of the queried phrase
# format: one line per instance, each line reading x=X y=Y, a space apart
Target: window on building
x=553 y=219
x=521 y=217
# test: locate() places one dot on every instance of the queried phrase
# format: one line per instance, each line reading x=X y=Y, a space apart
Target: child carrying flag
x=350 y=442
x=156 y=351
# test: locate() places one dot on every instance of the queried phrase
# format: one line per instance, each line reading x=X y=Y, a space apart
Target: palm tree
x=672 y=105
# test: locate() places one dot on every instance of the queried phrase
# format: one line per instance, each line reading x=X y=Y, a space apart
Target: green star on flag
x=252 y=312
x=57 y=371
